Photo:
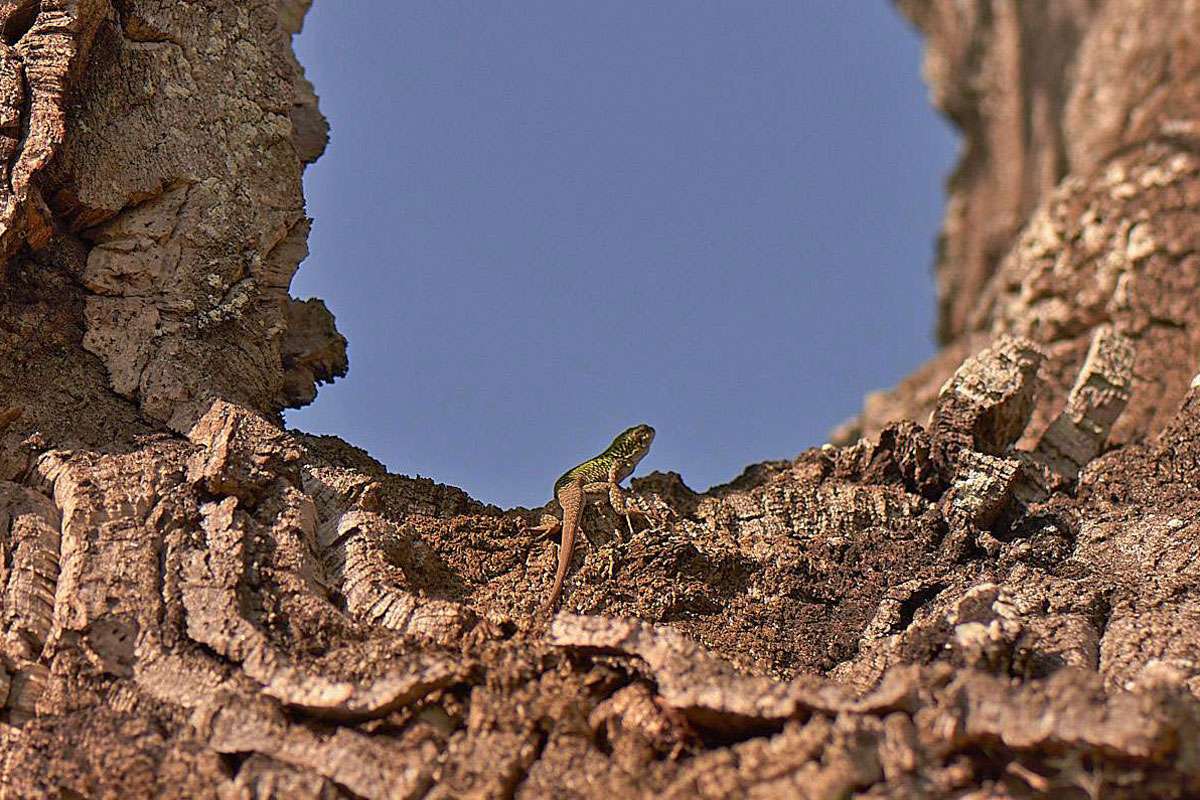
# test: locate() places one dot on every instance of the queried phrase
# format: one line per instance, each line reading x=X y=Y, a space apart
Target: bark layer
x=999 y=601
x=1074 y=203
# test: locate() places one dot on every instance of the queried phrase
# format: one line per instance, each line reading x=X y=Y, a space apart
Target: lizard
x=9 y=415
x=596 y=476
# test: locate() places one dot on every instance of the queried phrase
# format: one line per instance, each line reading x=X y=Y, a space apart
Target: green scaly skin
x=624 y=453
x=596 y=476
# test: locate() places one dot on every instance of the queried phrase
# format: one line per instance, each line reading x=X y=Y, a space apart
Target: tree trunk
x=1003 y=600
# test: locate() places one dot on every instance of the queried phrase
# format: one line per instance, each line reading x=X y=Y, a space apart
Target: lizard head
x=634 y=442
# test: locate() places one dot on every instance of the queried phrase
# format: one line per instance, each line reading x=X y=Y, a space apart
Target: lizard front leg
x=617 y=499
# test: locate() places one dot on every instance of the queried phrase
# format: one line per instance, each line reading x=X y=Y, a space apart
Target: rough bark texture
x=995 y=593
x=1076 y=201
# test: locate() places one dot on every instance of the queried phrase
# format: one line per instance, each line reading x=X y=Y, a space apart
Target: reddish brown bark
x=994 y=596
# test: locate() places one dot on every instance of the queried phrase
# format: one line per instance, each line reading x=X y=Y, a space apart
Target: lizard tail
x=570 y=497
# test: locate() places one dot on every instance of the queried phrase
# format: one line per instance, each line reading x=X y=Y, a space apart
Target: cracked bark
x=197 y=603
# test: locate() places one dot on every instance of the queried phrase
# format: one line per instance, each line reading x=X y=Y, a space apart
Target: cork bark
x=989 y=588
x=1074 y=201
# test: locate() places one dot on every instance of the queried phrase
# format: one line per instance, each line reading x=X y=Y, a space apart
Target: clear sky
x=541 y=222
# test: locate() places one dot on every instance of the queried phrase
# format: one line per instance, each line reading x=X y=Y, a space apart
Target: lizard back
x=627 y=449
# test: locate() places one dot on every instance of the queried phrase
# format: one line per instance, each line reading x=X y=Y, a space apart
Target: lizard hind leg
x=548 y=526
x=9 y=415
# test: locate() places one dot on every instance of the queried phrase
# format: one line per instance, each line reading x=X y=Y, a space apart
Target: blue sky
x=541 y=222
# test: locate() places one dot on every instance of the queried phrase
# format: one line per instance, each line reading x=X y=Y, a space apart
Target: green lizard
x=596 y=476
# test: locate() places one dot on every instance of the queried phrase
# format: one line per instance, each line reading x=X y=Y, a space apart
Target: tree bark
x=993 y=593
